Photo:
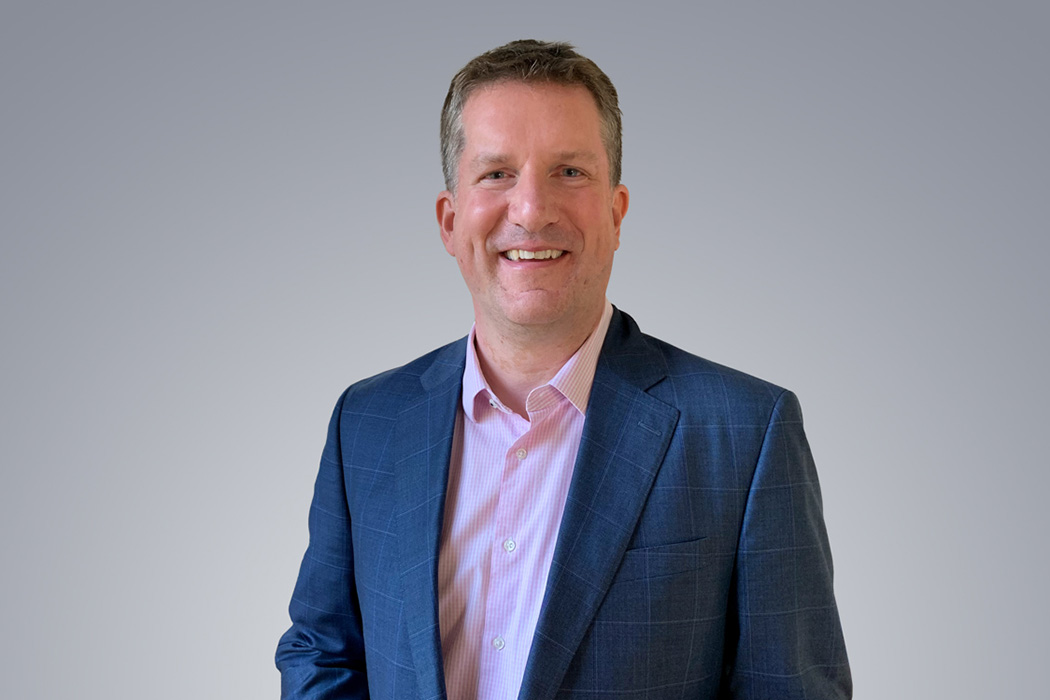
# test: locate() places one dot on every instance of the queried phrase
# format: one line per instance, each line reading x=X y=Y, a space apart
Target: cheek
x=485 y=208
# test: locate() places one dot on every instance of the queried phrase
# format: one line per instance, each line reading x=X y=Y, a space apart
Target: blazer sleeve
x=322 y=655
x=788 y=640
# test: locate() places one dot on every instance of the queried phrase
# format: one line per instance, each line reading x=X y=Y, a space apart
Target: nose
x=532 y=203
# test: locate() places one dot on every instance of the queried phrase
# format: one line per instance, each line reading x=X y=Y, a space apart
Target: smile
x=532 y=254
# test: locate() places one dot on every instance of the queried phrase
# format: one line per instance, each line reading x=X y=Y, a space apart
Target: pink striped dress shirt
x=507 y=484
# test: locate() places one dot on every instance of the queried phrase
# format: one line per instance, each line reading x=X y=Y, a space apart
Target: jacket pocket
x=661 y=560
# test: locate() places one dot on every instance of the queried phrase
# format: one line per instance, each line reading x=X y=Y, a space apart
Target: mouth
x=518 y=254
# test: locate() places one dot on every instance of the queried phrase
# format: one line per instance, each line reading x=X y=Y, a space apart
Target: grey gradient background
x=211 y=211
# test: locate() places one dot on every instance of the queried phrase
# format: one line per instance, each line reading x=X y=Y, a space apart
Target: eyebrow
x=488 y=159
x=587 y=156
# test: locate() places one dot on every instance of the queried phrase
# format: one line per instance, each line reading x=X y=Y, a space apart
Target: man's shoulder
x=390 y=391
x=686 y=377
x=685 y=366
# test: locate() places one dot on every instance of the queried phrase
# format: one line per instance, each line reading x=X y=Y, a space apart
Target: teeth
x=533 y=254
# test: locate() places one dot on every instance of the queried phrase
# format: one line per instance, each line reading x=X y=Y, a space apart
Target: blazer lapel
x=423 y=444
x=625 y=437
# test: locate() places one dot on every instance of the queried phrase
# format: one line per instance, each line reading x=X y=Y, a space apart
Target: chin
x=566 y=317
x=535 y=318
x=534 y=312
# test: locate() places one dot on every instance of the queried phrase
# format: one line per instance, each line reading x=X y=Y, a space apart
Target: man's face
x=534 y=220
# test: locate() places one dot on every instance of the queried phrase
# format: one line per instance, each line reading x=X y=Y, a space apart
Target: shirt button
x=509 y=545
x=498 y=643
x=521 y=453
x=492 y=402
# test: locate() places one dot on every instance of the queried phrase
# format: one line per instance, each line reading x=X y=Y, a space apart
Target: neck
x=514 y=363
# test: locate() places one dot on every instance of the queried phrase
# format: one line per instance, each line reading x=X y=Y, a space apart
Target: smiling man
x=558 y=504
x=533 y=220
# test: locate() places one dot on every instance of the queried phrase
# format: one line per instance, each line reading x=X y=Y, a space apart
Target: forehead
x=531 y=115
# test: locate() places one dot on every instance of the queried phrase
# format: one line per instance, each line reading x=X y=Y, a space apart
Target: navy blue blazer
x=692 y=559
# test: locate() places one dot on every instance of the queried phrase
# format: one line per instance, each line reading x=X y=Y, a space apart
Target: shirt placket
x=501 y=655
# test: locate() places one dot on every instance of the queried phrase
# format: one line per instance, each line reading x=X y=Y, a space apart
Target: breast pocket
x=642 y=637
x=661 y=560
x=656 y=583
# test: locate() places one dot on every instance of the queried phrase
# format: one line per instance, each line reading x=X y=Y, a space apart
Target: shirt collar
x=573 y=380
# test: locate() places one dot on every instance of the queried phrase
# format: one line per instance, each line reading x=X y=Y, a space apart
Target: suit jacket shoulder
x=684 y=380
x=390 y=392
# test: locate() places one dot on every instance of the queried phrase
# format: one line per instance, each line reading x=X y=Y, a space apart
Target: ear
x=446 y=216
x=621 y=198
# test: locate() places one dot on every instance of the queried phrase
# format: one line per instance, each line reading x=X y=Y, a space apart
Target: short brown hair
x=529 y=61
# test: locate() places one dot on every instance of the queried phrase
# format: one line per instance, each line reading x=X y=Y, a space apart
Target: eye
x=572 y=172
x=494 y=175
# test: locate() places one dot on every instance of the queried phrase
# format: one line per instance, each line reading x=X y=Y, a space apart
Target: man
x=558 y=505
